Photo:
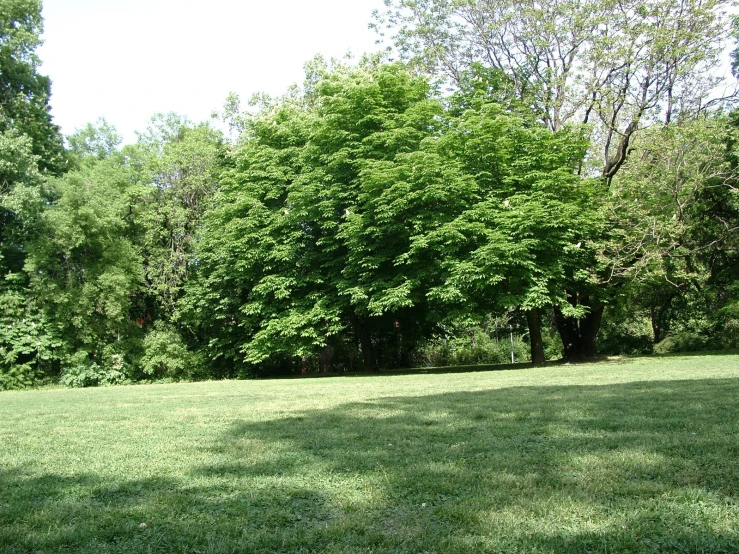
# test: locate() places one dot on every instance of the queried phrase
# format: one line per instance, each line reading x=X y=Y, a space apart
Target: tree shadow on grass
x=640 y=467
x=695 y=354
x=83 y=513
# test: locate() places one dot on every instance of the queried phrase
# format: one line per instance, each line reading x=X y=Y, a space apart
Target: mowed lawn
x=632 y=456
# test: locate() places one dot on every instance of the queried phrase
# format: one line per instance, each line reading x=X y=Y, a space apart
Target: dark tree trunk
x=364 y=333
x=568 y=332
x=658 y=315
x=589 y=327
x=578 y=335
x=537 y=344
x=325 y=358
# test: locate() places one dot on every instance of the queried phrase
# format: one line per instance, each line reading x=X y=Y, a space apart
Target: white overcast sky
x=126 y=60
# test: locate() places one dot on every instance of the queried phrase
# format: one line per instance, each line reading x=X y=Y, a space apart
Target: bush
x=462 y=350
x=81 y=370
x=681 y=342
x=727 y=334
x=17 y=376
x=166 y=356
x=27 y=349
x=553 y=349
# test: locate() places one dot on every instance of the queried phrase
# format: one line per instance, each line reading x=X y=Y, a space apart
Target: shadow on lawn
x=83 y=514
x=645 y=467
x=640 y=467
x=695 y=354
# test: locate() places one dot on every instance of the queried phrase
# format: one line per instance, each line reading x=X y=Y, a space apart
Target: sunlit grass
x=633 y=456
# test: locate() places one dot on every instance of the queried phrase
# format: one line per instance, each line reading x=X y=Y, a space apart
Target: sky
x=126 y=60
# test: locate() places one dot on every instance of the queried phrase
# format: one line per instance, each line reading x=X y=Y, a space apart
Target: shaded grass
x=635 y=456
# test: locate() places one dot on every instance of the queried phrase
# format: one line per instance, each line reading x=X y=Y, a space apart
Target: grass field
x=634 y=456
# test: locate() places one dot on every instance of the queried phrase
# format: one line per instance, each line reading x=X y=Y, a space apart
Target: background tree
x=31 y=144
x=523 y=239
x=85 y=270
x=24 y=93
x=177 y=166
x=615 y=66
x=30 y=147
x=26 y=339
x=94 y=142
x=674 y=215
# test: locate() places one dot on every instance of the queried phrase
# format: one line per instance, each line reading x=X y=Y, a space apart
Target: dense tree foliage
x=617 y=67
x=542 y=179
x=313 y=227
x=674 y=220
x=24 y=93
x=522 y=241
x=30 y=149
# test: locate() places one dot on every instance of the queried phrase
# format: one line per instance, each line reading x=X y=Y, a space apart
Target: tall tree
x=675 y=218
x=616 y=66
x=85 y=270
x=314 y=223
x=525 y=236
x=32 y=145
x=24 y=93
x=177 y=166
x=25 y=337
x=30 y=148
x=94 y=142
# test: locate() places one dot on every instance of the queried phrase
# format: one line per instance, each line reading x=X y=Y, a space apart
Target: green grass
x=633 y=456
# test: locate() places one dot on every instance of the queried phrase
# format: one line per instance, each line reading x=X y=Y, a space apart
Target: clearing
x=639 y=455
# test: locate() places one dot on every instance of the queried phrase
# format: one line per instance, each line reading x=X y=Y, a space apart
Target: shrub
x=727 y=333
x=82 y=370
x=166 y=355
x=681 y=342
x=553 y=349
x=463 y=350
x=27 y=349
x=17 y=376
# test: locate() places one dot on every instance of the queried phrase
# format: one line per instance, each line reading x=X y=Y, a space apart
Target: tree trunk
x=589 y=327
x=325 y=358
x=537 y=344
x=656 y=327
x=568 y=332
x=578 y=335
x=364 y=333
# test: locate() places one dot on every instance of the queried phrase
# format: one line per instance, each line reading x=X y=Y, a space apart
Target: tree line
x=562 y=171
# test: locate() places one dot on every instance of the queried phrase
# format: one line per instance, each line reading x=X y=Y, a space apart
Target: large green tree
x=31 y=144
x=525 y=236
x=177 y=166
x=85 y=271
x=30 y=149
x=616 y=66
x=25 y=339
x=102 y=254
x=312 y=230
